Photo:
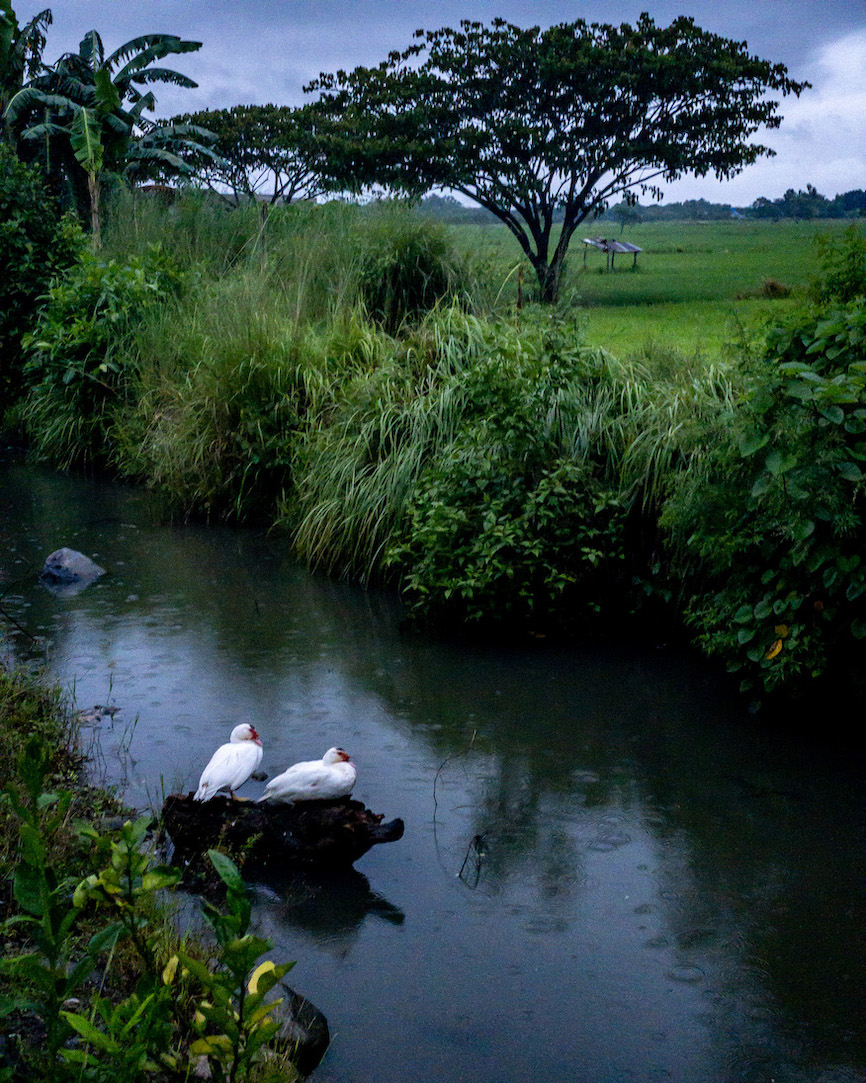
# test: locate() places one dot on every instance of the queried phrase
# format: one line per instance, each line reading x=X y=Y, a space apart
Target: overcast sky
x=257 y=51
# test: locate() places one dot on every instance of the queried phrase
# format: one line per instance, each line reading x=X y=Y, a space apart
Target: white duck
x=232 y=764
x=313 y=780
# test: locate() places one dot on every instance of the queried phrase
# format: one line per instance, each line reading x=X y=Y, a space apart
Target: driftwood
x=323 y=834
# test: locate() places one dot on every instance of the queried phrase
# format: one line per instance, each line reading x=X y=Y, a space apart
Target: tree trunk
x=549 y=281
x=93 y=189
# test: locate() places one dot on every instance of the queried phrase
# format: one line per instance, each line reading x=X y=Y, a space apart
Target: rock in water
x=304 y=1033
x=326 y=834
x=67 y=571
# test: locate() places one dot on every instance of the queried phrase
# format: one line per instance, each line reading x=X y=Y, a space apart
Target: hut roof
x=604 y=244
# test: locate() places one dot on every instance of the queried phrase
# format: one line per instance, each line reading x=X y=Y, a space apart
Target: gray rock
x=304 y=1036
x=67 y=571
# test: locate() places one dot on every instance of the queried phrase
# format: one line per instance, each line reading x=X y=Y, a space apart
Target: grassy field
x=697 y=286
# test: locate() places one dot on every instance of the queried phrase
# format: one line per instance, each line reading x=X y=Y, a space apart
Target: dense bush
x=843 y=265
x=408 y=264
x=226 y=384
x=81 y=354
x=501 y=468
x=772 y=535
x=35 y=244
x=513 y=523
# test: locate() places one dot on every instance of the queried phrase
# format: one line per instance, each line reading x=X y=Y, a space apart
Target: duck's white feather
x=313 y=780
x=231 y=765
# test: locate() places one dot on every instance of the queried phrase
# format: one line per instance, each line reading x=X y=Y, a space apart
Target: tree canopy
x=262 y=150
x=531 y=122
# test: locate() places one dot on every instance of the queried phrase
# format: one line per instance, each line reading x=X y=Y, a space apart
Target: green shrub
x=225 y=384
x=843 y=265
x=482 y=461
x=519 y=520
x=408 y=264
x=82 y=352
x=772 y=533
x=35 y=244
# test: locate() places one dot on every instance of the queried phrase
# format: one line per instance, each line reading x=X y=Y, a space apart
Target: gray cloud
x=256 y=51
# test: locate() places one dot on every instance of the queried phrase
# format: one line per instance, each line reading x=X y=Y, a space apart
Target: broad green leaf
x=85 y=138
x=162 y=876
x=850 y=471
x=89 y=1032
x=752 y=442
x=227 y=870
x=27 y=884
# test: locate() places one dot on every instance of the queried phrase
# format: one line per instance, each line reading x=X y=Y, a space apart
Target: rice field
x=698 y=286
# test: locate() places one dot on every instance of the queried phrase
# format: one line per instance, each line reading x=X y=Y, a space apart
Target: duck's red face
x=343 y=755
x=254 y=735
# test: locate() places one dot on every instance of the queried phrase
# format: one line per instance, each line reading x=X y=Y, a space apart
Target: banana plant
x=86 y=116
x=20 y=50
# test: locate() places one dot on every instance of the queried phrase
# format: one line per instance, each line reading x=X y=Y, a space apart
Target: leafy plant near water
x=35 y=244
x=774 y=530
x=235 y=1021
x=54 y=967
x=472 y=451
x=517 y=521
x=81 y=354
x=61 y=930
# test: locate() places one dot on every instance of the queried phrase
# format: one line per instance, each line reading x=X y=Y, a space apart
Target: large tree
x=262 y=151
x=536 y=123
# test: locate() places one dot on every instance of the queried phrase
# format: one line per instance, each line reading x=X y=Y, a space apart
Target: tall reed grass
x=360 y=461
x=324 y=368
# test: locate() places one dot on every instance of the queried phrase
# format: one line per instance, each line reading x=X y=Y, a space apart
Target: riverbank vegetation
x=350 y=376
x=97 y=983
x=518 y=439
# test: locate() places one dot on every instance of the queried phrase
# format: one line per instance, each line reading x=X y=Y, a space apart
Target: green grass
x=688 y=290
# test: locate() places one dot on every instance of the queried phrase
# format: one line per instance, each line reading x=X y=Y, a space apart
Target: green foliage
x=55 y=968
x=135 y=1034
x=86 y=114
x=472 y=109
x=35 y=245
x=516 y=522
x=773 y=532
x=223 y=388
x=408 y=265
x=260 y=151
x=843 y=265
x=81 y=354
x=234 y=1018
x=138 y=1023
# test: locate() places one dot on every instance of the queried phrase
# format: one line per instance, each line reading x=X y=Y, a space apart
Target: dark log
x=324 y=834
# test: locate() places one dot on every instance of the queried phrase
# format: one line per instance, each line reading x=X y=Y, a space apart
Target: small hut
x=610 y=248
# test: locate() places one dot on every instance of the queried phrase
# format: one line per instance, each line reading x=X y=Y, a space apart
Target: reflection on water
x=609 y=872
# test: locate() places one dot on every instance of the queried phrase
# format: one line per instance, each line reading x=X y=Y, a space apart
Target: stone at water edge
x=304 y=1033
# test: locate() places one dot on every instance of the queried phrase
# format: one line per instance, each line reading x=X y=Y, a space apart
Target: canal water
x=610 y=871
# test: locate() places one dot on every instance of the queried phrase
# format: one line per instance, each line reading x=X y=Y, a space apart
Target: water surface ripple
x=609 y=872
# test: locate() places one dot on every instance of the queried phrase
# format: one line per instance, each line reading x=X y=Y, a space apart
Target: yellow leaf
x=774 y=650
x=781 y=630
x=257 y=973
x=170 y=970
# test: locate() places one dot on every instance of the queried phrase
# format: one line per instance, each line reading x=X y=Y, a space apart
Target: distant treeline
x=803 y=204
